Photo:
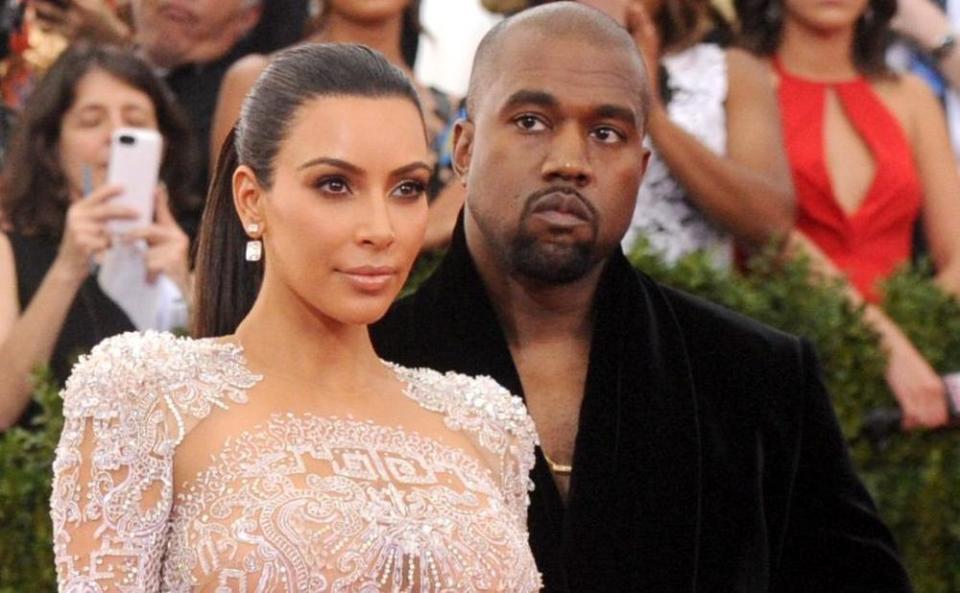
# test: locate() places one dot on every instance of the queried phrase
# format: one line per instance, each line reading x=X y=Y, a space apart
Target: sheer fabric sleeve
x=518 y=456
x=504 y=426
x=112 y=487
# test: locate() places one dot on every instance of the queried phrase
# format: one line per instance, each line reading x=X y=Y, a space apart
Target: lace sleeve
x=112 y=487
x=518 y=458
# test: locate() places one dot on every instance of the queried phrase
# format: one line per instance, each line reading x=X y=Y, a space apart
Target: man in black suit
x=683 y=448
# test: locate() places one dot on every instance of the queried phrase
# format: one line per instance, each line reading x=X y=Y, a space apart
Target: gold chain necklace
x=557 y=468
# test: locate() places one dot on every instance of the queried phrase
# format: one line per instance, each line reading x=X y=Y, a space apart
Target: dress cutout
x=299 y=503
x=673 y=224
x=870 y=243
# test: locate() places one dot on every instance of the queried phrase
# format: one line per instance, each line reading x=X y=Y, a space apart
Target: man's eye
x=530 y=123
x=607 y=135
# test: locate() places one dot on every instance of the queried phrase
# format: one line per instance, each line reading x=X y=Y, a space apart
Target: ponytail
x=226 y=284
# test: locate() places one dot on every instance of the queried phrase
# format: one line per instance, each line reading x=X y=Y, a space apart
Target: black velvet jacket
x=708 y=457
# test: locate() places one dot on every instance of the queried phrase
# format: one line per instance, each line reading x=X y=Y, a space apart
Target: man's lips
x=561 y=208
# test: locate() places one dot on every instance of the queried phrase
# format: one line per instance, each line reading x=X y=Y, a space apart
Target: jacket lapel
x=635 y=489
x=632 y=518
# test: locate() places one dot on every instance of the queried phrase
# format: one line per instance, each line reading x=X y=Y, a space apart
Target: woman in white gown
x=275 y=452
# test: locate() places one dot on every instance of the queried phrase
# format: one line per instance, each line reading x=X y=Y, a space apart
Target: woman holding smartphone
x=276 y=451
x=56 y=209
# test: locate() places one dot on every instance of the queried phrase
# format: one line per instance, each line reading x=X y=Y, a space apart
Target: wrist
x=66 y=274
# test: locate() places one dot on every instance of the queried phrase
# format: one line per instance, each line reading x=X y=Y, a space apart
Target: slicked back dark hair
x=226 y=284
x=761 y=30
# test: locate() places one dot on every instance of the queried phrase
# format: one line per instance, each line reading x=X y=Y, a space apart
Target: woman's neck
x=383 y=36
x=815 y=54
x=284 y=336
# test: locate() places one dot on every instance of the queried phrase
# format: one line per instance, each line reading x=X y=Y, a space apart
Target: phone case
x=135 y=166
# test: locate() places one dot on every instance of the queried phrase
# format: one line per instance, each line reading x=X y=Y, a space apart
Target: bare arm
x=27 y=341
x=748 y=191
x=236 y=84
x=941 y=183
x=914 y=383
x=925 y=23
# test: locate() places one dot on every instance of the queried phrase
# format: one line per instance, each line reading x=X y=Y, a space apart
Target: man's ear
x=644 y=162
x=248 y=199
x=462 y=148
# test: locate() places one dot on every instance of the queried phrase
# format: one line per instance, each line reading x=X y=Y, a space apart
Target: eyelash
x=418 y=188
x=537 y=119
x=323 y=184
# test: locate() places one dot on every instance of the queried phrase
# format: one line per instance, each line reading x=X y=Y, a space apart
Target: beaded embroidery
x=299 y=504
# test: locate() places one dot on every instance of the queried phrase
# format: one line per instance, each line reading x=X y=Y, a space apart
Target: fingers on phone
x=104 y=193
x=106 y=212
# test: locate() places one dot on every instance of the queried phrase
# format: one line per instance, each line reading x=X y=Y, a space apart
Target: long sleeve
x=835 y=541
x=112 y=488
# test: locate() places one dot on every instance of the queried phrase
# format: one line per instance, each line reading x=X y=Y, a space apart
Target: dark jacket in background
x=708 y=457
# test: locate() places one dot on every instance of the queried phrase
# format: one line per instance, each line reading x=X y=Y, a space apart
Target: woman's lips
x=370 y=278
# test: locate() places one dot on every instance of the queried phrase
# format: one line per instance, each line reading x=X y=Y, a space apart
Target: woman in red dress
x=870 y=155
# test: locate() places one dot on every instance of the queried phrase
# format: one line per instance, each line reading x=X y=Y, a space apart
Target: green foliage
x=26 y=455
x=915 y=478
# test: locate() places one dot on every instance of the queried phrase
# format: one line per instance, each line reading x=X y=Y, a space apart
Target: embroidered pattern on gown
x=300 y=503
x=673 y=225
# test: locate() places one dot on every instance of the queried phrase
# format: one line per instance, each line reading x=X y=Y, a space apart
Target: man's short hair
x=556 y=20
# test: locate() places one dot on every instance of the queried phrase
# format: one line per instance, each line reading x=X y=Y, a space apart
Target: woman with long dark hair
x=870 y=156
x=276 y=451
x=56 y=208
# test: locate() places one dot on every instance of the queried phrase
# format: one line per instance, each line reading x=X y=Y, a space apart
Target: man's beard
x=549 y=262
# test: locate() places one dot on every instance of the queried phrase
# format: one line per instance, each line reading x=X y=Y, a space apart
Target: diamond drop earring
x=254 y=250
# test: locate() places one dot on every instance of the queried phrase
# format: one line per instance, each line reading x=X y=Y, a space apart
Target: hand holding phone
x=135 y=155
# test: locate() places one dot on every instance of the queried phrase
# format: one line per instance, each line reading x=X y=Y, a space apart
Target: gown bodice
x=295 y=503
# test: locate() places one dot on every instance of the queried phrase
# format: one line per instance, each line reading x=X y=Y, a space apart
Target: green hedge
x=915 y=478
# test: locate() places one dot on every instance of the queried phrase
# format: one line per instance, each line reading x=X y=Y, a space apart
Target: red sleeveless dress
x=871 y=242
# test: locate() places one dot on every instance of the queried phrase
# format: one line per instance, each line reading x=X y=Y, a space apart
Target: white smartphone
x=135 y=155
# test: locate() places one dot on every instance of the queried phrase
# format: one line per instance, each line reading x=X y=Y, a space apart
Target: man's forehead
x=577 y=74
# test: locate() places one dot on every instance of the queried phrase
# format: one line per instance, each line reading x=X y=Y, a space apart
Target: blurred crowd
x=800 y=122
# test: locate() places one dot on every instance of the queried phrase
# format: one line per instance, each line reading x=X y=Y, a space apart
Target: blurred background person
x=718 y=173
x=191 y=44
x=56 y=208
x=870 y=155
x=392 y=28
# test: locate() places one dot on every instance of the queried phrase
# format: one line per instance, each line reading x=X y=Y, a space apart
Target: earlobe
x=248 y=197
x=462 y=148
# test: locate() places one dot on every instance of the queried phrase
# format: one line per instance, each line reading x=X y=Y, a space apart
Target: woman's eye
x=530 y=123
x=607 y=135
x=333 y=185
x=410 y=189
x=90 y=121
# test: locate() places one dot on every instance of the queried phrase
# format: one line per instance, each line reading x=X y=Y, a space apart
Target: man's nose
x=568 y=159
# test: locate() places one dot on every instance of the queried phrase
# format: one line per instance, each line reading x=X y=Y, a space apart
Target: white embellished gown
x=284 y=502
